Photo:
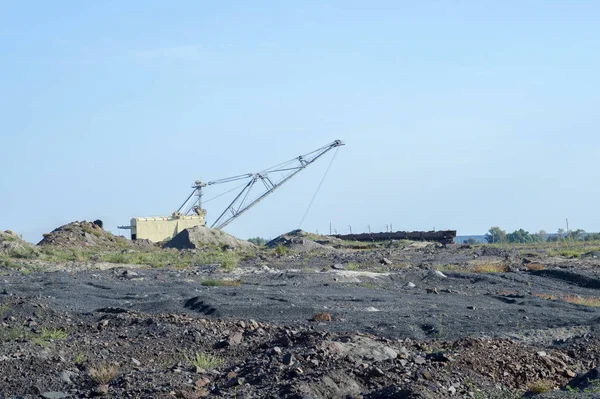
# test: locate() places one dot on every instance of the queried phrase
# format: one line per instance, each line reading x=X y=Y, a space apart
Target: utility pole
x=391 y=228
x=369 y=228
x=350 y=228
x=567 y=226
x=386 y=228
x=329 y=228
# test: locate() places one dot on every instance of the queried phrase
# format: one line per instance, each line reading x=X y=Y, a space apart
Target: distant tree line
x=497 y=235
x=257 y=241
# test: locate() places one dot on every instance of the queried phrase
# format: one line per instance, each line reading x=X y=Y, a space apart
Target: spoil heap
x=200 y=237
x=78 y=235
x=12 y=245
x=300 y=241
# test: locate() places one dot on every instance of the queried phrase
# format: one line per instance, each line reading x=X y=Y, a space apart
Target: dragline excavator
x=191 y=213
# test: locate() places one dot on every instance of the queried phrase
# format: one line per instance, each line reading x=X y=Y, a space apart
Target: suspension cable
x=318 y=187
x=226 y=192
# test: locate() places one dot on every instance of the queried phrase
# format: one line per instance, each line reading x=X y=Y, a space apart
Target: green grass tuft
x=204 y=361
x=221 y=283
x=230 y=261
x=352 y=266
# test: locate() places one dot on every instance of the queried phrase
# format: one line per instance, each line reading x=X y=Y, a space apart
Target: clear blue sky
x=456 y=114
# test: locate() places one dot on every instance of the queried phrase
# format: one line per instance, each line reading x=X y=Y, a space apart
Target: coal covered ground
x=127 y=312
x=511 y=304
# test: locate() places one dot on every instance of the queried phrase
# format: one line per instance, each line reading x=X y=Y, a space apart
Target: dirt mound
x=299 y=240
x=12 y=245
x=200 y=236
x=77 y=235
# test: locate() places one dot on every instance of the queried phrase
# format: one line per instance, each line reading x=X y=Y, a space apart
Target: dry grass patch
x=548 y=297
x=474 y=268
x=450 y=268
x=579 y=300
x=574 y=299
x=541 y=386
x=103 y=374
x=490 y=268
x=535 y=266
x=509 y=293
x=322 y=317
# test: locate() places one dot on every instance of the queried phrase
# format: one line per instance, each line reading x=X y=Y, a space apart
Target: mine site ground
x=88 y=314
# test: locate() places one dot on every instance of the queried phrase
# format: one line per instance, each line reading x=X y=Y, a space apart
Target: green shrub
x=230 y=261
x=280 y=249
x=259 y=241
x=25 y=252
x=52 y=334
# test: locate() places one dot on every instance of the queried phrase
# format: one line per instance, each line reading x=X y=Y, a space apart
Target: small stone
x=437 y=273
x=410 y=285
x=288 y=359
x=438 y=357
x=419 y=360
x=339 y=266
x=101 y=390
x=403 y=354
x=185 y=394
x=277 y=350
x=452 y=390
x=569 y=373
x=471 y=307
x=235 y=339
x=541 y=353
x=136 y=362
x=234 y=382
x=385 y=261
x=34 y=390
x=202 y=382
x=55 y=395
x=427 y=375
x=231 y=374
x=65 y=376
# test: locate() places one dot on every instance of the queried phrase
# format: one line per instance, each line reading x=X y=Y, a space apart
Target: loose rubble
x=316 y=320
